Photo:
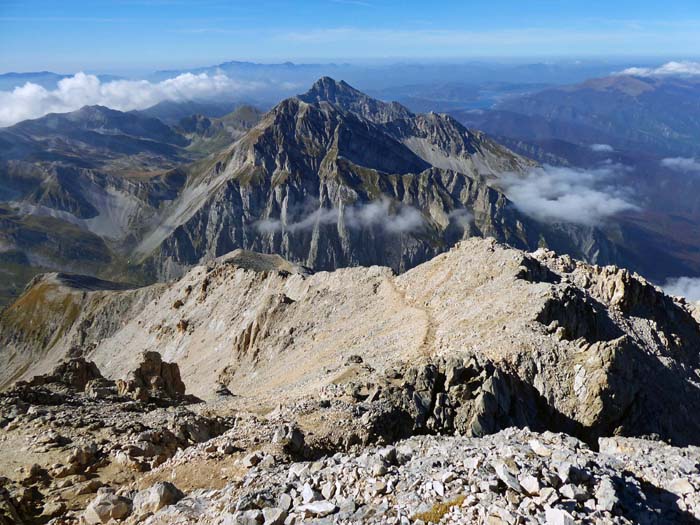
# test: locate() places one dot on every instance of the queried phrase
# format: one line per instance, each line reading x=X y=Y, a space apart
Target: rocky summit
x=486 y=385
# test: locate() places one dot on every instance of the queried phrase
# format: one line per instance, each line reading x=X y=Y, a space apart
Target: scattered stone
x=285 y=501
x=253 y=459
x=539 y=449
x=105 y=507
x=681 y=486
x=530 y=484
x=153 y=499
x=274 y=516
x=90 y=487
x=308 y=494
x=556 y=516
x=509 y=479
x=574 y=492
x=606 y=495
x=318 y=509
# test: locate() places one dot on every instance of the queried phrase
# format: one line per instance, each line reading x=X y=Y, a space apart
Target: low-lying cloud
x=377 y=213
x=688 y=287
x=670 y=69
x=570 y=195
x=602 y=148
x=33 y=101
x=683 y=164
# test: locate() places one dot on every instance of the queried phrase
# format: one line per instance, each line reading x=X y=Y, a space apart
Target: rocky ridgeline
x=361 y=396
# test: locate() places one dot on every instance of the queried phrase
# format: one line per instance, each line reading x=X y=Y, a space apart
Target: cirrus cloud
x=33 y=101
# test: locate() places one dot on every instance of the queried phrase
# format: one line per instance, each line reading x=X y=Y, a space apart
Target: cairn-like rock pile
x=153 y=378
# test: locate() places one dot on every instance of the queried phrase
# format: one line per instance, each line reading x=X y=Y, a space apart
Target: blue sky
x=130 y=35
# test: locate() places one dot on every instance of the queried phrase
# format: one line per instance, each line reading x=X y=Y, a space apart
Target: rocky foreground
x=514 y=476
x=124 y=458
x=487 y=385
x=122 y=451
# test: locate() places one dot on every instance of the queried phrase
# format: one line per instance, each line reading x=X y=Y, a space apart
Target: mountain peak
x=329 y=90
x=347 y=98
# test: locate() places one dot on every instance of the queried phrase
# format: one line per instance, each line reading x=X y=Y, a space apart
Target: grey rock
x=606 y=495
x=309 y=494
x=318 y=509
x=505 y=475
x=556 y=516
x=105 y=507
x=274 y=516
x=153 y=499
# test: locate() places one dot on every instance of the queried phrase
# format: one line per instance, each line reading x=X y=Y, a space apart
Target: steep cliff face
x=334 y=178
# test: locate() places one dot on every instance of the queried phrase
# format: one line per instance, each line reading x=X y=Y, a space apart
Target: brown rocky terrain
x=303 y=379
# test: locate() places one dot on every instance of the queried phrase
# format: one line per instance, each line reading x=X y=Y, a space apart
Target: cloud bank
x=570 y=195
x=377 y=213
x=33 y=100
x=670 y=69
x=688 y=287
x=683 y=164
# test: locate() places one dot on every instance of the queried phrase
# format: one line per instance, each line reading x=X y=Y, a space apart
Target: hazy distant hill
x=660 y=115
x=171 y=112
x=634 y=122
x=46 y=79
x=76 y=188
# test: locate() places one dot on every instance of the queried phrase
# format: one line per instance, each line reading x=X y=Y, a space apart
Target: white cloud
x=688 y=287
x=461 y=217
x=676 y=69
x=555 y=194
x=602 y=148
x=684 y=164
x=32 y=100
x=377 y=213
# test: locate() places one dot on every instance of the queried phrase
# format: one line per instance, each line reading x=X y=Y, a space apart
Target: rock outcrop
x=73 y=374
x=153 y=379
x=77 y=426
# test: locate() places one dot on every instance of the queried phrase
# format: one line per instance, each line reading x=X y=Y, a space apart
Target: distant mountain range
x=327 y=179
x=636 y=122
x=387 y=76
x=645 y=114
x=330 y=178
x=375 y=78
x=76 y=187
